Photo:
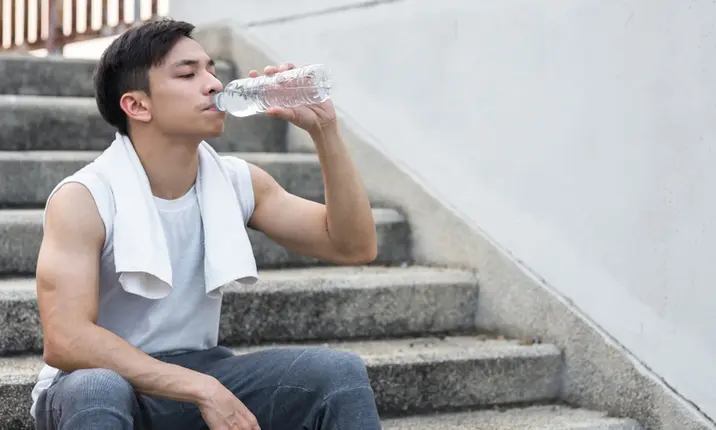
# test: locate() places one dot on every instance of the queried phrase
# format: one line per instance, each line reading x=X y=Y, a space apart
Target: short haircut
x=124 y=65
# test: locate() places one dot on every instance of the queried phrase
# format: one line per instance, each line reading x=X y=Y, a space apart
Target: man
x=164 y=370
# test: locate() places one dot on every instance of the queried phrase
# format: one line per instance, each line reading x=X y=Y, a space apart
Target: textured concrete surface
x=20 y=238
x=292 y=305
x=421 y=374
x=20 y=328
x=59 y=76
x=417 y=374
x=74 y=123
x=534 y=418
x=27 y=177
x=21 y=235
x=344 y=303
x=600 y=373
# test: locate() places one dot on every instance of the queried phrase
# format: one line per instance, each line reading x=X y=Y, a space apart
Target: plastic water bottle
x=295 y=87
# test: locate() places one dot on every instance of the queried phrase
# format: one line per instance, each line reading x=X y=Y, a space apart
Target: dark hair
x=124 y=65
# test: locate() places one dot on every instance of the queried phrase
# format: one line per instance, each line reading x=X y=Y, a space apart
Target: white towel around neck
x=140 y=249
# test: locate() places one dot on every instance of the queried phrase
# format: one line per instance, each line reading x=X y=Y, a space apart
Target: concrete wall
x=577 y=135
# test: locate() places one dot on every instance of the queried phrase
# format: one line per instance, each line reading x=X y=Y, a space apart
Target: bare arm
x=68 y=291
x=342 y=230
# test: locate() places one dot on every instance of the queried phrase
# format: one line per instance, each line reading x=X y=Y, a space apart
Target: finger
x=286 y=66
x=253 y=74
x=240 y=423
x=269 y=70
x=281 y=113
x=251 y=423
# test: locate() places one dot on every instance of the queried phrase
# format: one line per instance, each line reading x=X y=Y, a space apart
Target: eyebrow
x=188 y=62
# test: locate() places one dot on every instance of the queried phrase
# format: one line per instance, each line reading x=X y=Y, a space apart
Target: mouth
x=211 y=108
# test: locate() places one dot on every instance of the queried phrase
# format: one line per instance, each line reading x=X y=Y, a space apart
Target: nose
x=213 y=85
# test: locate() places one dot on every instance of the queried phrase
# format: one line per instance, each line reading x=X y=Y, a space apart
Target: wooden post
x=55 y=35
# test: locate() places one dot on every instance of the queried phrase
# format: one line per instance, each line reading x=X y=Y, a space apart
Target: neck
x=171 y=163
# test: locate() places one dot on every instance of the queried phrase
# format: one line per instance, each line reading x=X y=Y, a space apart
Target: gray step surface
x=61 y=76
x=531 y=418
x=291 y=305
x=74 y=123
x=21 y=235
x=27 y=177
x=406 y=375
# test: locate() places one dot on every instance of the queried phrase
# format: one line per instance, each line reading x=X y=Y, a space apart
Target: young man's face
x=182 y=90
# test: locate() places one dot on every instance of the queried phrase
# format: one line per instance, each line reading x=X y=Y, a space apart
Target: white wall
x=578 y=134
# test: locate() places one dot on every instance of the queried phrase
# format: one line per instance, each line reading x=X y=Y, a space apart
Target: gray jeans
x=288 y=388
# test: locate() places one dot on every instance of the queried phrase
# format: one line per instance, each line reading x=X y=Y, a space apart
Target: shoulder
x=92 y=195
x=71 y=216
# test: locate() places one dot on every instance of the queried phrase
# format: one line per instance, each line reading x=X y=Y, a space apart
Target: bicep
x=67 y=272
x=293 y=222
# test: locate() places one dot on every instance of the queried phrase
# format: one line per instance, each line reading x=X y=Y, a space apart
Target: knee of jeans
x=327 y=371
x=88 y=388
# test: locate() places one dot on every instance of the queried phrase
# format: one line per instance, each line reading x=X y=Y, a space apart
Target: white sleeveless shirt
x=187 y=319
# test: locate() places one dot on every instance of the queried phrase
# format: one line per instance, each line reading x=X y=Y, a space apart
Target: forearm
x=350 y=222
x=90 y=346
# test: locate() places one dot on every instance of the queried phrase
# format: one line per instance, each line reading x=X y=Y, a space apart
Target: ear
x=136 y=105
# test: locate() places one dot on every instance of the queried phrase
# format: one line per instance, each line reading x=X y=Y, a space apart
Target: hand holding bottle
x=311 y=117
x=299 y=95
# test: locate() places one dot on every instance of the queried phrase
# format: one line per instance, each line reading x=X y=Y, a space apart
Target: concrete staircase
x=413 y=325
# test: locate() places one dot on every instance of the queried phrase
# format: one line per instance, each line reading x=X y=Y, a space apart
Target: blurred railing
x=36 y=24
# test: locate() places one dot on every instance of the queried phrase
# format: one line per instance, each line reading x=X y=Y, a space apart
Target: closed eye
x=191 y=75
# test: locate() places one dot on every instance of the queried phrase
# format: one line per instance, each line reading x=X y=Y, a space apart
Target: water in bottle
x=295 y=87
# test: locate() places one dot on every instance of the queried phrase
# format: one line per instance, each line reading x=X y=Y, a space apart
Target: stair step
x=407 y=375
x=291 y=305
x=532 y=418
x=60 y=76
x=21 y=235
x=73 y=123
x=27 y=177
